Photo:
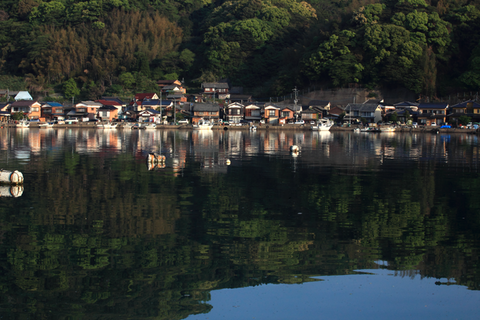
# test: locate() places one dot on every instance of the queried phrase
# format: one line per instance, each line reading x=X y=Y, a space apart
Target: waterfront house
x=371 y=112
x=207 y=111
x=272 y=113
x=52 y=111
x=164 y=83
x=29 y=108
x=317 y=107
x=253 y=112
x=432 y=114
x=84 y=109
x=23 y=95
x=468 y=108
x=149 y=115
x=405 y=110
x=287 y=114
x=136 y=103
x=218 y=90
x=234 y=112
x=107 y=113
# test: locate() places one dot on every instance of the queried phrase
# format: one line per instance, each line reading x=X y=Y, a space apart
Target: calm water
x=233 y=226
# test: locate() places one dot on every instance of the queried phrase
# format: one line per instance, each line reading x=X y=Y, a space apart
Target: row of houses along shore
x=174 y=104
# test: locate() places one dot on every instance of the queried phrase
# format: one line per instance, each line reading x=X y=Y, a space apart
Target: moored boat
x=203 y=125
x=23 y=124
x=323 y=125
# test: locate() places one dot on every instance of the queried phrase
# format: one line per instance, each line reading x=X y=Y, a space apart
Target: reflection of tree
x=109 y=240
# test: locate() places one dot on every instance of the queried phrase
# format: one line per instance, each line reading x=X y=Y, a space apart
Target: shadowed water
x=387 y=224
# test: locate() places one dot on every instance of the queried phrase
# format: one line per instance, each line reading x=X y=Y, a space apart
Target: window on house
x=81 y=110
x=271 y=113
x=58 y=111
x=47 y=110
x=34 y=109
x=285 y=114
x=255 y=113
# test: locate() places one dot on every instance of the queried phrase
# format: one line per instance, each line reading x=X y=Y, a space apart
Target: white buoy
x=11 y=191
x=11 y=177
x=294 y=149
x=228 y=162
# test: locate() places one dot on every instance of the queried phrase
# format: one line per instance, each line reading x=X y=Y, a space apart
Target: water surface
x=233 y=225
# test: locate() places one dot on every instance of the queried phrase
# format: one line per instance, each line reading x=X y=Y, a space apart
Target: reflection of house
x=207 y=111
x=253 y=112
x=234 y=112
x=432 y=113
x=29 y=108
x=52 y=111
x=218 y=90
x=271 y=113
x=468 y=108
x=371 y=112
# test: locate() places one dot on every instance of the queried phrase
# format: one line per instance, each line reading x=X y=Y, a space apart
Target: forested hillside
x=117 y=47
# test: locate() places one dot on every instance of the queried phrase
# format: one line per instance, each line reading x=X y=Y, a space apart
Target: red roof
x=143 y=96
x=108 y=102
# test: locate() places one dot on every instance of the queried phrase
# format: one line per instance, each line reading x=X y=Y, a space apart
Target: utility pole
x=295 y=91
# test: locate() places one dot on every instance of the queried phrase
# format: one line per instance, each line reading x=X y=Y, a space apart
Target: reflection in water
x=99 y=232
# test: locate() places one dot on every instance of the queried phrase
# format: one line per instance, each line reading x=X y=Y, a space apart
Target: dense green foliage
x=269 y=46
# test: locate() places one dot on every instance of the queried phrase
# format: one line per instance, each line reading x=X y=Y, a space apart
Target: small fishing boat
x=107 y=125
x=203 y=125
x=150 y=126
x=23 y=124
x=323 y=125
x=46 y=125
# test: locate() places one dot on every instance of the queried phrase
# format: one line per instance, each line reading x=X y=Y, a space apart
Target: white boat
x=323 y=125
x=107 y=125
x=150 y=125
x=203 y=125
x=23 y=124
x=46 y=125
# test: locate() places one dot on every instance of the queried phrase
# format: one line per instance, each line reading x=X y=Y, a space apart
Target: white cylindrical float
x=11 y=191
x=11 y=177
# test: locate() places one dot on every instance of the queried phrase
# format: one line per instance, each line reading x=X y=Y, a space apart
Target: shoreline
x=264 y=127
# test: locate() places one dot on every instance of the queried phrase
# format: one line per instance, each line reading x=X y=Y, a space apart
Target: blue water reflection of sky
x=376 y=295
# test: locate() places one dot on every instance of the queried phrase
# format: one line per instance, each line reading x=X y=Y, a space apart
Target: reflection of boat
x=23 y=124
x=203 y=125
x=46 y=125
x=387 y=129
x=323 y=125
x=107 y=125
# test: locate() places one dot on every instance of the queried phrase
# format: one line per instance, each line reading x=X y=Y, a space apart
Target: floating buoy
x=15 y=177
x=155 y=158
x=294 y=149
x=11 y=191
x=228 y=162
